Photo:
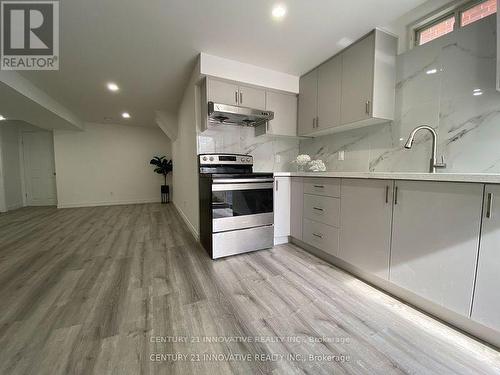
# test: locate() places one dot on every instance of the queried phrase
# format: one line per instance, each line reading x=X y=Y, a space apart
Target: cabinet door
x=252 y=98
x=329 y=93
x=365 y=229
x=308 y=102
x=435 y=239
x=357 y=80
x=281 y=207
x=284 y=107
x=297 y=207
x=222 y=92
x=486 y=304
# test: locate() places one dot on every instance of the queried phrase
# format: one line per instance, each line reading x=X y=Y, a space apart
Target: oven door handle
x=241 y=180
x=248 y=186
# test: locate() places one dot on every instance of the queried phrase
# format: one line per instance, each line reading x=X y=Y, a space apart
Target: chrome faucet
x=433 y=163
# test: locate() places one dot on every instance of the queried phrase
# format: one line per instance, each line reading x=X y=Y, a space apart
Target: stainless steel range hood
x=233 y=115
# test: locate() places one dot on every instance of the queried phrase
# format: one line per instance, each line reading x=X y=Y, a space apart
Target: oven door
x=241 y=203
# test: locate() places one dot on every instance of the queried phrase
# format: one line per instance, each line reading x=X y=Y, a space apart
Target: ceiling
x=150 y=47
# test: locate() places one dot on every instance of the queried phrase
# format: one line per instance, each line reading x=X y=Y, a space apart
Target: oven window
x=241 y=202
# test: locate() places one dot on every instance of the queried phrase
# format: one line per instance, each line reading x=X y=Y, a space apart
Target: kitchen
x=334 y=195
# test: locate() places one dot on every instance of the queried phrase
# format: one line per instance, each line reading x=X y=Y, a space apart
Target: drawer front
x=321 y=236
x=325 y=210
x=329 y=187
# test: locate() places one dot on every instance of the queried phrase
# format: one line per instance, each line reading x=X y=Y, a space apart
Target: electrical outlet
x=341 y=155
x=277 y=158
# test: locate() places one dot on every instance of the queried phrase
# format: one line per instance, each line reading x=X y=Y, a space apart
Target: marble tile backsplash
x=468 y=126
x=269 y=153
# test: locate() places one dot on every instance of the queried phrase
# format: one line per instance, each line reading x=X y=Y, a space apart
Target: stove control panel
x=225 y=159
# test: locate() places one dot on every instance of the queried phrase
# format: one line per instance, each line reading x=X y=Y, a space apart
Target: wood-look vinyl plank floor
x=88 y=290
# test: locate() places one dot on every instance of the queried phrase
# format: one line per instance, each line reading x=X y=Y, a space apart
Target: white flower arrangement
x=303 y=160
x=317 y=166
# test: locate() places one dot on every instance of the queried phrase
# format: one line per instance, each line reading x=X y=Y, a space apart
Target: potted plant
x=163 y=167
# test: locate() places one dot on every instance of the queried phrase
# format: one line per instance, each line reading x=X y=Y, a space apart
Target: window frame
x=455 y=9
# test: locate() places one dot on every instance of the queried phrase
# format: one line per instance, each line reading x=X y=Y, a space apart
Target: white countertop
x=488 y=178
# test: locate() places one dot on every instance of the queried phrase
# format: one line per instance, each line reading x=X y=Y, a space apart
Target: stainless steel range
x=236 y=205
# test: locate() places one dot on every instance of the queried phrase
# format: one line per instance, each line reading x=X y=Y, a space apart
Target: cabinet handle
x=489 y=205
x=276 y=185
x=396 y=195
x=317 y=121
x=314 y=122
x=241 y=97
x=318 y=209
x=236 y=96
x=317 y=235
x=387 y=194
x=319 y=186
x=368 y=107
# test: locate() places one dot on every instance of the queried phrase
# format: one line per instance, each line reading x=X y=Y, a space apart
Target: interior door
x=39 y=169
x=486 y=305
x=357 y=80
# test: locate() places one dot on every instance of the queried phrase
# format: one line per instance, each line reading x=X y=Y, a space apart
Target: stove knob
x=204 y=158
x=211 y=158
x=249 y=160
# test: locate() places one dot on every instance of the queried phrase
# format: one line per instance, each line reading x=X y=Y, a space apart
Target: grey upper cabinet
x=435 y=239
x=357 y=80
x=284 y=106
x=252 y=97
x=365 y=229
x=329 y=93
x=353 y=89
x=486 y=305
x=222 y=92
x=308 y=103
x=225 y=92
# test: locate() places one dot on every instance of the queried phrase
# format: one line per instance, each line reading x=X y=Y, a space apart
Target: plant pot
x=165 y=194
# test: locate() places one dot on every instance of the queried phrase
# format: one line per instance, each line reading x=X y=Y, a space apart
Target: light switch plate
x=341 y=155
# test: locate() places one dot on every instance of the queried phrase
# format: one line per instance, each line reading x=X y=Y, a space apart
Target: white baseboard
x=281 y=240
x=114 y=203
x=191 y=227
x=14 y=206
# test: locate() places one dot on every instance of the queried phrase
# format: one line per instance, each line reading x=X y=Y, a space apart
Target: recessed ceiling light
x=2 y=118
x=279 y=11
x=112 y=86
x=432 y=71
x=477 y=90
x=126 y=115
x=477 y=93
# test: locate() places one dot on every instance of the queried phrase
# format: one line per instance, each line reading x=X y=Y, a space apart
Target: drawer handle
x=318 y=209
x=319 y=186
x=317 y=235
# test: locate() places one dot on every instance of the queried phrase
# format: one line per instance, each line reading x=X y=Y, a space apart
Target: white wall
x=185 y=173
x=237 y=71
x=108 y=164
x=11 y=165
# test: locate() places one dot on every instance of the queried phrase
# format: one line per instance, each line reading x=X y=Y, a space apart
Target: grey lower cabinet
x=365 y=229
x=435 y=239
x=486 y=305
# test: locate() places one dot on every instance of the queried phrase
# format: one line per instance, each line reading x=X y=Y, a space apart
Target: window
x=477 y=12
x=432 y=32
x=447 y=21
